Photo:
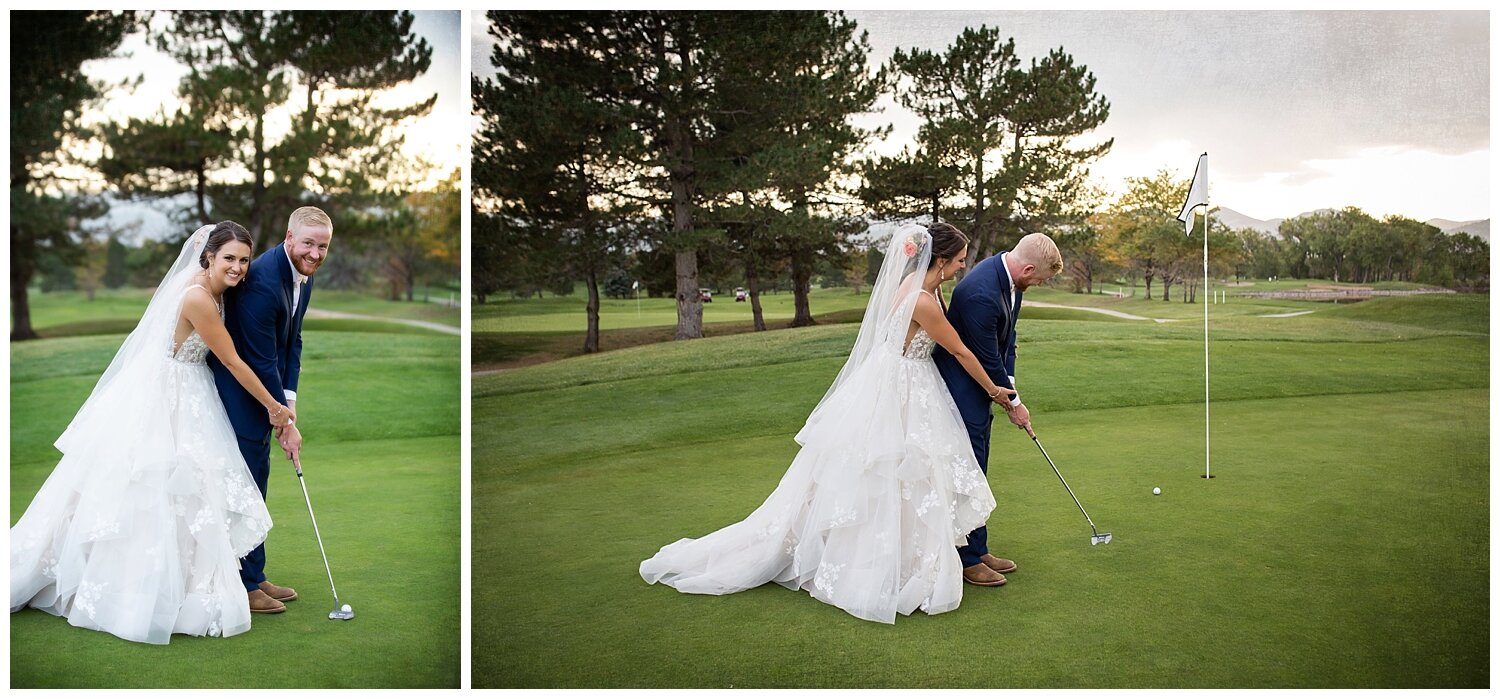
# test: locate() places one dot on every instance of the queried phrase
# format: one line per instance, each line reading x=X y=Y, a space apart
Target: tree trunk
x=202 y=191
x=979 y=233
x=689 y=301
x=1148 y=278
x=309 y=119
x=411 y=279
x=1166 y=289
x=21 y=270
x=801 y=285
x=591 y=339
x=258 y=192
x=753 y=285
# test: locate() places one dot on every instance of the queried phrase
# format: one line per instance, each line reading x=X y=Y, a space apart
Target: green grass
x=116 y=311
x=509 y=332
x=566 y=313
x=380 y=414
x=1344 y=543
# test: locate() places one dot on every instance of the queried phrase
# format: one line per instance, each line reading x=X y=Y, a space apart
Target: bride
x=886 y=485
x=139 y=529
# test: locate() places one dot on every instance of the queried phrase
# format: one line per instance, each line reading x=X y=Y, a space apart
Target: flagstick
x=1206 y=471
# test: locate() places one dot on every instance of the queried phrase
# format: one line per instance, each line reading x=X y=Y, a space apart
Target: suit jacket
x=982 y=313
x=267 y=334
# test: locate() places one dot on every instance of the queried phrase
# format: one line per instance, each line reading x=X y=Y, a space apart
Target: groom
x=264 y=318
x=983 y=310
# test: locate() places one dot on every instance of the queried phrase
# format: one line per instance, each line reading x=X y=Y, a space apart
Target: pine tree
x=978 y=104
x=47 y=93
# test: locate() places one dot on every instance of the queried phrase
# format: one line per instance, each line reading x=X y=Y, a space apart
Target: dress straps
x=937 y=298
x=218 y=303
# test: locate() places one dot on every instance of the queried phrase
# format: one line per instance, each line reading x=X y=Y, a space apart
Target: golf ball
x=1154 y=491
x=347 y=608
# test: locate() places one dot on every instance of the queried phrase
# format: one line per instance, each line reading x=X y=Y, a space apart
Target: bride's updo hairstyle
x=220 y=236
x=947 y=241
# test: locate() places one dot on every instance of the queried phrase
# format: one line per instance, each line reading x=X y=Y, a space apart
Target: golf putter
x=344 y=612
x=1097 y=538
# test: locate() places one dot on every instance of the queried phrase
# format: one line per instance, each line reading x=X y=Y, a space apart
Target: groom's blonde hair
x=1039 y=250
x=309 y=216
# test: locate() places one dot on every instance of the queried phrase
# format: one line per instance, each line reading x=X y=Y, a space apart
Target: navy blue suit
x=267 y=334
x=981 y=311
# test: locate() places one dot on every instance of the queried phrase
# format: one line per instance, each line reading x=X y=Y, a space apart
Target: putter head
x=1097 y=539
x=340 y=614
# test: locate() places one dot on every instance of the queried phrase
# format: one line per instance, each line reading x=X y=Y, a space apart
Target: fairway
x=566 y=313
x=380 y=414
x=70 y=313
x=1343 y=543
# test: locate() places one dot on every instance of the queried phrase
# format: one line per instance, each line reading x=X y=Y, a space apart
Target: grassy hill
x=1344 y=541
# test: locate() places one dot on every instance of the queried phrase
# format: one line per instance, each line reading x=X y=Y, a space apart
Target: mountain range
x=1234 y=219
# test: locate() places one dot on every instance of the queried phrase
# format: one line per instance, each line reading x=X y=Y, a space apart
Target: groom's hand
x=1020 y=417
x=290 y=440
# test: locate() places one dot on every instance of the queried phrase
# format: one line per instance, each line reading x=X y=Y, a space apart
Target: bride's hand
x=1003 y=395
x=281 y=416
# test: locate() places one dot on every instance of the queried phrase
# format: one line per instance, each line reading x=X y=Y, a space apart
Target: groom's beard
x=306 y=267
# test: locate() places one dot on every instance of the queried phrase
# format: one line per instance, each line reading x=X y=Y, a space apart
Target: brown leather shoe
x=278 y=593
x=999 y=565
x=261 y=603
x=981 y=575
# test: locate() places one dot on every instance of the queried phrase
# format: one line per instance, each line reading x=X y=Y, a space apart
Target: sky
x=1386 y=111
x=433 y=136
x=437 y=137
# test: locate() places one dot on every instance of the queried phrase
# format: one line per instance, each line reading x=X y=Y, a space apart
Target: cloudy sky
x=1387 y=111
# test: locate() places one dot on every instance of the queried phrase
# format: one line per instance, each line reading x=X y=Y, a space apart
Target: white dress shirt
x=1017 y=399
x=298 y=279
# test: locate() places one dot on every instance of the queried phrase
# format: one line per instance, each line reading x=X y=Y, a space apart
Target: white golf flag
x=1197 y=194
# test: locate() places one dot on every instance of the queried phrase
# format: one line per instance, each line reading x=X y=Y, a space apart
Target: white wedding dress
x=139 y=529
x=868 y=516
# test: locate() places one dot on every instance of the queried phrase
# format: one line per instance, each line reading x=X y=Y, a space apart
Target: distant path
x=1105 y=311
x=447 y=329
x=1332 y=293
x=1287 y=315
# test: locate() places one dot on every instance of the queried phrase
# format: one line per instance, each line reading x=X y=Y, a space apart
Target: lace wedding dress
x=868 y=516
x=139 y=529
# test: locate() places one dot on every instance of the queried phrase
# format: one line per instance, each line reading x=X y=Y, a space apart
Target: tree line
x=1137 y=237
x=214 y=155
x=683 y=142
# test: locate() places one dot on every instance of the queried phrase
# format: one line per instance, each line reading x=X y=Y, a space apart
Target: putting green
x=1343 y=543
x=380 y=414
